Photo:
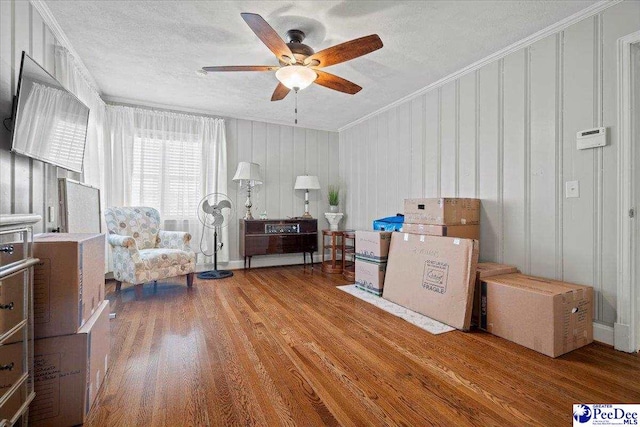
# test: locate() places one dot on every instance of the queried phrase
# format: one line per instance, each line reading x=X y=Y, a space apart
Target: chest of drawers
x=16 y=318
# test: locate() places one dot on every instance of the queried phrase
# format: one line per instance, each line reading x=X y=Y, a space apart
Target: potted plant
x=334 y=198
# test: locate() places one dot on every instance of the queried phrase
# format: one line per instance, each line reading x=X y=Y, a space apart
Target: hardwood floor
x=283 y=346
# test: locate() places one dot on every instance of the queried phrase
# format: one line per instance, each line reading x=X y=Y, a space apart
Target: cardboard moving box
x=547 y=316
x=68 y=283
x=370 y=275
x=373 y=245
x=487 y=269
x=434 y=276
x=465 y=231
x=442 y=211
x=68 y=372
x=490 y=269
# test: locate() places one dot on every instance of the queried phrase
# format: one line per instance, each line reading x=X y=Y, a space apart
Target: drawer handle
x=7 y=306
x=7 y=249
x=7 y=367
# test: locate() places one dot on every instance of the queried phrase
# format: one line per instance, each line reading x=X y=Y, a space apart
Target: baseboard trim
x=622 y=334
x=260 y=261
x=603 y=333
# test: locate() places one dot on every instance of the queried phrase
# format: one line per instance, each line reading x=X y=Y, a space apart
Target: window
x=166 y=175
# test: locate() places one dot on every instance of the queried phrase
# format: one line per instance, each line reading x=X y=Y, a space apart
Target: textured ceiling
x=148 y=52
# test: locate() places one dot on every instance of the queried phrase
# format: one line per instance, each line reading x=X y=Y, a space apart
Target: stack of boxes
x=372 y=251
x=432 y=270
x=450 y=217
x=71 y=327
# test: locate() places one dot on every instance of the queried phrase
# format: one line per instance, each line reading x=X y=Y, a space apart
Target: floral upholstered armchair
x=142 y=252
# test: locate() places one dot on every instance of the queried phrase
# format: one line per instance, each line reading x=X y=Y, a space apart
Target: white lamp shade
x=307 y=182
x=296 y=76
x=248 y=171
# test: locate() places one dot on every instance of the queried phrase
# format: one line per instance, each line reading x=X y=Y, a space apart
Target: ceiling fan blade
x=268 y=36
x=241 y=68
x=280 y=92
x=336 y=83
x=345 y=51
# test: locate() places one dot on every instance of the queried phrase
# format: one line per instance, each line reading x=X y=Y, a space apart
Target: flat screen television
x=49 y=122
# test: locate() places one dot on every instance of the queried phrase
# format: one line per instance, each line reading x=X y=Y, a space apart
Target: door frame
x=627 y=327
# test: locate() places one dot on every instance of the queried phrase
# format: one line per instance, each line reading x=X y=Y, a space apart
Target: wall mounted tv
x=49 y=122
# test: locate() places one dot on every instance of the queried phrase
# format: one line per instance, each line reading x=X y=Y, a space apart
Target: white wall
x=283 y=152
x=506 y=134
x=26 y=185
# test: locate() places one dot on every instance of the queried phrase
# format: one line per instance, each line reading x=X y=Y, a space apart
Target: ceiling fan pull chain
x=296 y=109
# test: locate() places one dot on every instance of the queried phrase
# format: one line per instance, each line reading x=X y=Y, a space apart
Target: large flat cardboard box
x=68 y=372
x=487 y=269
x=68 y=283
x=442 y=211
x=373 y=245
x=434 y=276
x=465 y=231
x=370 y=275
x=547 y=316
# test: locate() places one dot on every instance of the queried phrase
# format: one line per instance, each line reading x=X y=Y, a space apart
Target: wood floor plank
x=294 y=391
x=284 y=346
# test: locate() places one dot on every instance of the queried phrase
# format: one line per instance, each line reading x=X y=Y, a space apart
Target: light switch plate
x=572 y=189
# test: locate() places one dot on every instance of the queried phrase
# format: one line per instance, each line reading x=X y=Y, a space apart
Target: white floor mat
x=421 y=321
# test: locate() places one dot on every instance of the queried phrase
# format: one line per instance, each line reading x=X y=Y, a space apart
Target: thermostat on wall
x=592 y=138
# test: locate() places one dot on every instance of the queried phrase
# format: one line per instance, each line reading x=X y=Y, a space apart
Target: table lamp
x=306 y=183
x=248 y=174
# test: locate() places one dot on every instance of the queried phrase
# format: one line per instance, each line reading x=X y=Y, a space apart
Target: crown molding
x=128 y=102
x=61 y=37
x=592 y=10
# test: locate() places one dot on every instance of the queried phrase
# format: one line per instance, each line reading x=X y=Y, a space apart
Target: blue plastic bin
x=390 y=223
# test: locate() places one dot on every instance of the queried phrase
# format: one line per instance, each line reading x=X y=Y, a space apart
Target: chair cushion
x=163 y=257
x=141 y=223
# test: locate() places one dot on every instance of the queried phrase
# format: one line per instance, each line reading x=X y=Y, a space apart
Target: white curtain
x=119 y=160
x=72 y=78
x=169 y=161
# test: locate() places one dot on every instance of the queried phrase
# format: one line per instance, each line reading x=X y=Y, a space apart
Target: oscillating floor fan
x=214 y=211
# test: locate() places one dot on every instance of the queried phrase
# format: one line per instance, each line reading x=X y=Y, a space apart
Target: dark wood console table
x=278 y=236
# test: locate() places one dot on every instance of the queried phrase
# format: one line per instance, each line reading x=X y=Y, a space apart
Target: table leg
x=324 y=249
x=334 y=242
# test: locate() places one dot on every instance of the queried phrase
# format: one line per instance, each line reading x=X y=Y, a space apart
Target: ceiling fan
x=300 y=64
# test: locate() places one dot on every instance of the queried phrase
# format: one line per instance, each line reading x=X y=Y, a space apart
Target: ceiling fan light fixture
x=296 y=76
